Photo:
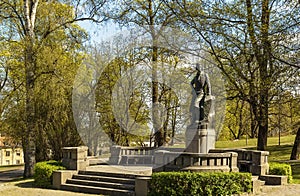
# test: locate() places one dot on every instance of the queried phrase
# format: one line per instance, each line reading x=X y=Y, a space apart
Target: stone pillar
x=159 y=160
x=60 y=177
x=75 y=158
x=260 y=164
x=234 y=162
x=203 y=138
x=115 y=155
x=192 y=143
x=197 y=138
x=142 y=185
x=211 y=138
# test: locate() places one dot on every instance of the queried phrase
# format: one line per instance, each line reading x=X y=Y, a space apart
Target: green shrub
x=43 y=173
x=281 y=169
x=210 y=184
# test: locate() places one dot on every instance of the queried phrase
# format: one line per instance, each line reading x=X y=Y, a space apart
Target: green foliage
x=43 y=172
x=187 y=183
x=281 y=169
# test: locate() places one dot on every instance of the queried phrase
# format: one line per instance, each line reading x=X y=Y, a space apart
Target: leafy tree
x=120 y=102
x=248 y=40
x=146 y=14
x=31 y=28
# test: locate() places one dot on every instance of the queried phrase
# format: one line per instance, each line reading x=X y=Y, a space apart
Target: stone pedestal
x=142 y=185
x=75 y=158
x=199 y=139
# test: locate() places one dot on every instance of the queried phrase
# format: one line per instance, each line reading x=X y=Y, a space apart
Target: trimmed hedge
x=281 y=169
x=43 y=173
x=206 y=184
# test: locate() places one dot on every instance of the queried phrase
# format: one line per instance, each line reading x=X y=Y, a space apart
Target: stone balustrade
x=131 y=155
x=136 y=155
x=253 y=161
x=137 y=150
x=174 y=161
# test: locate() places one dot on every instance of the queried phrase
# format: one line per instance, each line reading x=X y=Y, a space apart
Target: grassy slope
x=277 y=153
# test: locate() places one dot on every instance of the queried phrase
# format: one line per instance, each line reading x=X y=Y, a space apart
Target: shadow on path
x=12 y=175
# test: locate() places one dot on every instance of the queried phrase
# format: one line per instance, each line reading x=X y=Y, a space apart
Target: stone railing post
x=260 y=164
x=234 y=162
x=142 y=185
x=75 y=158
x=159 y=160
x=115 y=155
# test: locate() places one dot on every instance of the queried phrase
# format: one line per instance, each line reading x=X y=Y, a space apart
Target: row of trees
x=254 y=43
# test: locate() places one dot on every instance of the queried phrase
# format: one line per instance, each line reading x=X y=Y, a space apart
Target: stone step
x=104 y=179
x=101 y=184
x=97 y=190
x=259 y=181
x=107 y=174
x=262 y=183
x=274 y=179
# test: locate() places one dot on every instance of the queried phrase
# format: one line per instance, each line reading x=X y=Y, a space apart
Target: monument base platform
x=199 y=138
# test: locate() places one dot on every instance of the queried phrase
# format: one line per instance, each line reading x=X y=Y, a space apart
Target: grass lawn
x=280 y=153
x=253 y=142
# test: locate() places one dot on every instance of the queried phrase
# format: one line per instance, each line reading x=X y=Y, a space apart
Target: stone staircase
x=95 y=182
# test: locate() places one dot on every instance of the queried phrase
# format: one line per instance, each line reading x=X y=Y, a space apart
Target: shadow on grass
x=296 y=172
x=280 y=153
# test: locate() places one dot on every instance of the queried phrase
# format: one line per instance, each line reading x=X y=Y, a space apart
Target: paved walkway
x=10 y=175
x=25 y=188
x=138 y=170
x=286 y=190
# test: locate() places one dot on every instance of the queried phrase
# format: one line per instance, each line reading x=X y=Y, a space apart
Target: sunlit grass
x=243 y=143
x=10 y=167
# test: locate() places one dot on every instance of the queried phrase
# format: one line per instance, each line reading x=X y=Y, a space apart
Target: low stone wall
x=60 y=177
x=253 y=161
x=121 y=154
x=136 y=155
x=174 y=161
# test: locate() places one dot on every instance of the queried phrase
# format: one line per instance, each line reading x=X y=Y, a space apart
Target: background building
x=10 y=153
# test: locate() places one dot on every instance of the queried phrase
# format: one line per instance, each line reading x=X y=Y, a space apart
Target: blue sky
x=99 y=33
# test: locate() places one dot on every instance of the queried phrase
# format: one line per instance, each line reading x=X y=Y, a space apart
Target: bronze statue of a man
x=201 y=88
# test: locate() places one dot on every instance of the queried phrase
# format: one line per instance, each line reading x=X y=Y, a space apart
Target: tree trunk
x=262 y=50
x=158 y=129
x=296 y=147
x=265 y=62
x=29 y=151
x=263 y=109
x=30 y=8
